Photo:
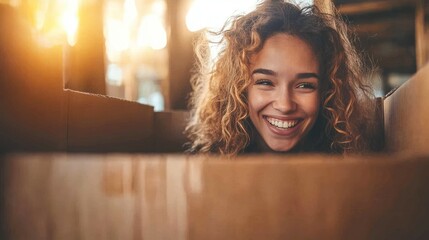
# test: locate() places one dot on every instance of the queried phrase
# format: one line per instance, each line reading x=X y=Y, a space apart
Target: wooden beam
x=392 y=29
x=181 y=58
x=86 y=71
x=373 y=6
x=390 y=57
x=421 y=39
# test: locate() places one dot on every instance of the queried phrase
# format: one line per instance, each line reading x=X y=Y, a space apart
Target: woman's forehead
x=285 y=52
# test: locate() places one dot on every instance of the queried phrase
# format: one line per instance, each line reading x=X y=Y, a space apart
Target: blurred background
x=142 y=50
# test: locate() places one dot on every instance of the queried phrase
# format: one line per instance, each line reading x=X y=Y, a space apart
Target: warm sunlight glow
x=125 y=28
x=130 y=12
x=56 y=21
x=135 y=40
x=117 y=39
x=152 y=33
x=70 y=21
x=40 y=14
x=213 y=14
x=13 y=3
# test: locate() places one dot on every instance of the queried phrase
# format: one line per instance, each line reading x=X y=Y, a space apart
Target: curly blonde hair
x=220 y=121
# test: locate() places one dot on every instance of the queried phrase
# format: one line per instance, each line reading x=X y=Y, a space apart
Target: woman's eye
x=264 y=82
x=307 y=86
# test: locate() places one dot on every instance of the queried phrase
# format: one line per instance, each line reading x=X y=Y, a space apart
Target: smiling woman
x=287 y=79
x=283 y=98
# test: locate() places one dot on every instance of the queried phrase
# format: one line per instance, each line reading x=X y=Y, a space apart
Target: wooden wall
x=392 y=34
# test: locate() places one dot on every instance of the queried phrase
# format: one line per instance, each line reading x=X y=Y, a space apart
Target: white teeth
x=282 y=124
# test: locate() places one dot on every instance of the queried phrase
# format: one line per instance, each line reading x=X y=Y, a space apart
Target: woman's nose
x=284 y=102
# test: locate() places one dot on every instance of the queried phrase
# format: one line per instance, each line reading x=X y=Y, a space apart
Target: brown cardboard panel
x=32 y=113
x=169 y=131
x=97 y=123
x=406 y=116
x=199 y=197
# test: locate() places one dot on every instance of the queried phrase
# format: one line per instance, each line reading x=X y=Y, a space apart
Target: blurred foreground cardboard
x=125 y=197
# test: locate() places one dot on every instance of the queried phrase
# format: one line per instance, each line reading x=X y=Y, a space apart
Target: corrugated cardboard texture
x=155 y=197
x=406 y=116
x=97 y=123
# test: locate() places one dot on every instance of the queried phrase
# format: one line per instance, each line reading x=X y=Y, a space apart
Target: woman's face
x=284 y=97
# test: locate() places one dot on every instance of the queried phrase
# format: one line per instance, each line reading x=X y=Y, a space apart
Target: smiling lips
x=281 y=123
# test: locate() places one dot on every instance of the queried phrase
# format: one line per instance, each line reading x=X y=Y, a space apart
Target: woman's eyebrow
x=264 y=71
x=273 y=73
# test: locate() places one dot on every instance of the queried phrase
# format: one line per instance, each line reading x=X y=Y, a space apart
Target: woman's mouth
x=282 y=124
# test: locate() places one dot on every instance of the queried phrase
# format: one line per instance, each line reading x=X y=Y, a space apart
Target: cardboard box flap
x=97 y=123
x=406 y=116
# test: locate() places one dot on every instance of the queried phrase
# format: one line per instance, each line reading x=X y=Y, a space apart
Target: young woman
x=286 y=80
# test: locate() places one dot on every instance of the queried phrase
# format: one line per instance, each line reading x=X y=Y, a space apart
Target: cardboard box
x=406 y=116
x=98 y=123
x=169 y=131
x=135 y=196
x=109 y=196
x=37 y=114
x=32 y=103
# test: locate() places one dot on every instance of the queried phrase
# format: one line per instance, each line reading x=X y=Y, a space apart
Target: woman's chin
x=281 y=147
